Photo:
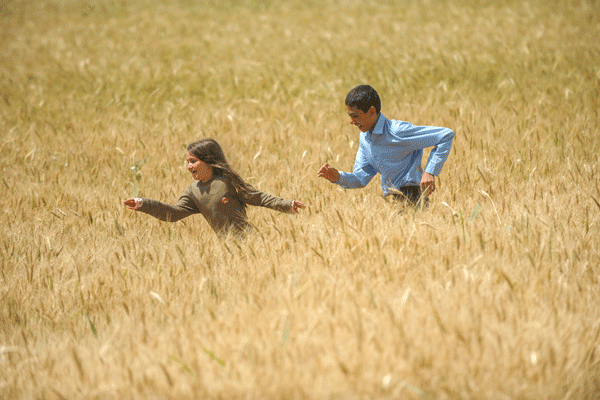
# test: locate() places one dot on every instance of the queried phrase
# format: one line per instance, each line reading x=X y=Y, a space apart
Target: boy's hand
x=427 y=184
x=329 y=173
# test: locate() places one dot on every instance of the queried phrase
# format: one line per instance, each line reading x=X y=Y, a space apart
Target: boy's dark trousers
x=410 y=195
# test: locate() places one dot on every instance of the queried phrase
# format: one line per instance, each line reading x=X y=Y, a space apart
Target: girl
x=220 y=195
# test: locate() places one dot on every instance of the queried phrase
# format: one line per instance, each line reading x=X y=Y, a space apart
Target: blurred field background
x=490 y=293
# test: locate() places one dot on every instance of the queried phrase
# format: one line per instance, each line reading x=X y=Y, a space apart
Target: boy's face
x=365 y=121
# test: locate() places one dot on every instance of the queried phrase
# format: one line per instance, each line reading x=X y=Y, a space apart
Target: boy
x=392 y=148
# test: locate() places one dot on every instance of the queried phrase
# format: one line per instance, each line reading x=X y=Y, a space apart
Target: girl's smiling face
x=200 y=170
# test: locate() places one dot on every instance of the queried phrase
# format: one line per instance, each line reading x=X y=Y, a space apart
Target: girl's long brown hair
x=209 y=151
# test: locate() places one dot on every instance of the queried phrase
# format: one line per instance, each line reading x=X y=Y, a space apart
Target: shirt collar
x=378 y=130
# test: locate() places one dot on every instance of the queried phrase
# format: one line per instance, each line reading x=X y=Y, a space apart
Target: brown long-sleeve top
x=217 y=200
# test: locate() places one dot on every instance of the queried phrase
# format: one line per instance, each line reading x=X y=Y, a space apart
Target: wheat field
x=492 y=292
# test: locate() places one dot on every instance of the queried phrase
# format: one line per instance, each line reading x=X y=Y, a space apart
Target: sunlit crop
x=492 y=292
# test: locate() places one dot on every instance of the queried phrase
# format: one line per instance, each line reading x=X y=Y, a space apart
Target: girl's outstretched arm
x=262 y=199
x=164 y=211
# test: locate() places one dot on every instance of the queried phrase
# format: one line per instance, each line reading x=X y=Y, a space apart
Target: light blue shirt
x=395 y=149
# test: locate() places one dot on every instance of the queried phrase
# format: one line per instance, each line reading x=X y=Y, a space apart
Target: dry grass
x=490 y=293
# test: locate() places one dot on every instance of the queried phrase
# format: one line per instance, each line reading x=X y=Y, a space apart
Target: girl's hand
x=133 y=204
x=295 y=205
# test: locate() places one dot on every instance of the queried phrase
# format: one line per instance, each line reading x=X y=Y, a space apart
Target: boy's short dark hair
x=363 y=97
